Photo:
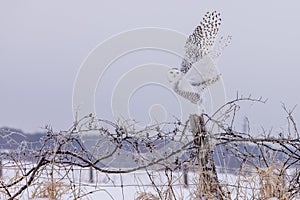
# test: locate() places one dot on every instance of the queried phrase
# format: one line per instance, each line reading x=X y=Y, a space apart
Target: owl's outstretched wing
x=220 y=45
x=201 y=41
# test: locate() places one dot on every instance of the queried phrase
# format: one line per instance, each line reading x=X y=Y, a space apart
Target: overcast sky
x=43 y=44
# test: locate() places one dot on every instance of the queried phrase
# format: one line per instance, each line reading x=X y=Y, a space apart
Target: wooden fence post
x=1 y=169
x=209 y=186
x=91 y=180
x=185 y=176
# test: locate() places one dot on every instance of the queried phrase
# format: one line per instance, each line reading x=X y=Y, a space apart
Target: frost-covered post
x=208 y=185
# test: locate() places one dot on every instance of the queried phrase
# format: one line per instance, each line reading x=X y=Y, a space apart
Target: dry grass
x=51 y=190
x=205 y=189
x=272 y=183
x=146 y=196
x=262 y=183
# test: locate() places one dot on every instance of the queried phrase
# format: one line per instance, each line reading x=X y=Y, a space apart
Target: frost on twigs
x=248 y=165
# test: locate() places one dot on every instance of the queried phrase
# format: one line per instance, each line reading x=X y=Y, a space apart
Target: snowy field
x=75 y=182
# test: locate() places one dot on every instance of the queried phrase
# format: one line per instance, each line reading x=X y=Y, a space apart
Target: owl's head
x=174 y=75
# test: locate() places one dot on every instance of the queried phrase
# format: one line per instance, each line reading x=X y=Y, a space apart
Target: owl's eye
x=177 y=72
x=171 y=72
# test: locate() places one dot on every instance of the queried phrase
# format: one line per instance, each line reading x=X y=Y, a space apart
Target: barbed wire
x=59 y=156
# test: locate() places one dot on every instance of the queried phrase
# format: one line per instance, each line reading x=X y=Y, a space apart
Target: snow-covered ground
x=75 y=181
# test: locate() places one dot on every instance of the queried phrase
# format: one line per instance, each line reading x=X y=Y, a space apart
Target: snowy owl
x=198 y=69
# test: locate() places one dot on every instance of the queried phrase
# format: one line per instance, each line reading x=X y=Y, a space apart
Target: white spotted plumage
x=190 y=81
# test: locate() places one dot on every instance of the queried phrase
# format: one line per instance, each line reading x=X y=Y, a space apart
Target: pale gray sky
x=43 y=43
